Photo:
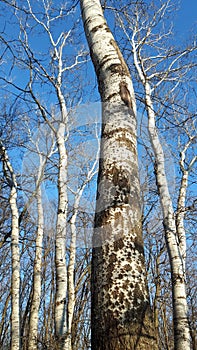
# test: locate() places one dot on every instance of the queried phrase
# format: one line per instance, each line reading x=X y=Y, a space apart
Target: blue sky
x=186 y=18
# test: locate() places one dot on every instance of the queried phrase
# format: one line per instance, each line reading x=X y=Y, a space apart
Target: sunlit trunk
x=15 y=288
x=176 y=250
x=35 y=303
x=15 y=252
x=121 y=314
x=60 y=244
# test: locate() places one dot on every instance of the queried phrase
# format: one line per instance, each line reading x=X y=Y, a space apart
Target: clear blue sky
x=186 y=18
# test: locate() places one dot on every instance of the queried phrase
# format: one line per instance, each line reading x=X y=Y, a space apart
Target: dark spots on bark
x=63 y=301
x=101 y=220
x=178 y=278
x=89 y=19
x=118 y=244
x=127 y=143
x=129 y=255
x=94 y=30
x=118 y=131
x=60 y=211
x=103 y=26
x=127 y=267
x=109 y=268
x=112 y=258
x=115 y=68
x=111 y=96
x=105 y=59
x=114 y=294
x=114 y=192
x=121 y=135
x=120 y=185
x=138 y=308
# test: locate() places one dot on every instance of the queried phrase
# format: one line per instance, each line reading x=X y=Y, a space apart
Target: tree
x=37 y=270
x=44 y=70
x=50 y=73
x=155 y=66
x=10 y=178
x=121 y=314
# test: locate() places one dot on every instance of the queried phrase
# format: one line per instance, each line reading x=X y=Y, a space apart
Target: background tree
x=156 y=66
x=49 y=72
x=10 y=178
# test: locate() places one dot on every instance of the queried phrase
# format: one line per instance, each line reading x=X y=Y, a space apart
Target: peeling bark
x=121 y=314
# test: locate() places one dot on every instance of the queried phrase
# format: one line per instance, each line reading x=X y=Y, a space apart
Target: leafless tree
x=156 y=66
x=121 y=314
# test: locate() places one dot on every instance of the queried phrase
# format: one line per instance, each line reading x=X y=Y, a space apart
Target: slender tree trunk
x=181 y=214
x=121 y=314
x=175 y=250
x=176 y=247
x=73 y=246
x=15 y=318
x=156 y=299
x=3 y=317
x=15 y=278
x=60 y=244
x=35 y=303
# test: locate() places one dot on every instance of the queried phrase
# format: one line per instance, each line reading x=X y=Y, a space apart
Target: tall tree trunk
x=15 y=289
x=175 y=250
x=35 y=303
x=174 y=235
x=15 y=278
x=121 y=314
x=63 y=339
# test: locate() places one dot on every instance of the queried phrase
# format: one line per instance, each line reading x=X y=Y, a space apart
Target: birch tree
x=15 y=263
x=43 y=156
x=50 y=73
x=121 y=314
x=151 y=75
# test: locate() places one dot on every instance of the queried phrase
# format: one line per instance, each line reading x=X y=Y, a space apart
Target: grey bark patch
x=126 y=96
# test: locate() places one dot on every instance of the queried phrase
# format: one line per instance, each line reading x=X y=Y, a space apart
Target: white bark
x=35 y=303
x=185 y=169
x=181 y=327
x=60 y=133
x=37 y=271
x=15 y=278
x=120 y=302
x=73 y=245
x=60 y=243
x=176 y=249
x=15 y=289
